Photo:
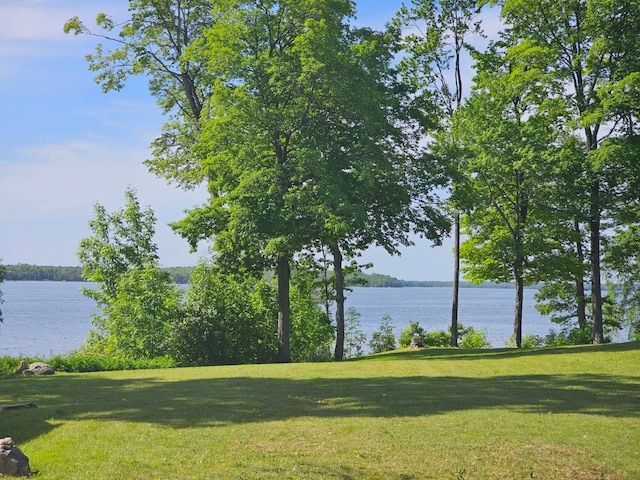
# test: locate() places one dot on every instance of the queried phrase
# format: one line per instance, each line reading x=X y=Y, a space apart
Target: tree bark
x=456 y=280
x=517 y=318
x=596 y=285
x=284 y=309
x=337 y=267
x=580 y=293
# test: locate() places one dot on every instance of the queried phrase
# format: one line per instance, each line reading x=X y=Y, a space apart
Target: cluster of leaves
x=383 y=339
x=223 y=321
x=354 y=337
x=468 y=337
x=137 y=299
x=77 y=362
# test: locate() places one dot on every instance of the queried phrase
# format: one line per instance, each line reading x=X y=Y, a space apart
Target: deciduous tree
x=578 y=45
x=303 y=139
x=138 y=300
x=438 y=33
x=509 y=147
x=373 y=183
x=162 y=41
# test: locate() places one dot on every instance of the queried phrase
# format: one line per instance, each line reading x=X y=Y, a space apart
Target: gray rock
x=13 y=462
x=35 y=368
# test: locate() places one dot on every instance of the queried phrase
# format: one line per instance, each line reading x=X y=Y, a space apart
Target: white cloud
x=47 y=197
x=43 y=20
x=66 y=179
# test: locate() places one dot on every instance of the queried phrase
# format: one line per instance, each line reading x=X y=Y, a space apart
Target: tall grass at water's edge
x=561 y=413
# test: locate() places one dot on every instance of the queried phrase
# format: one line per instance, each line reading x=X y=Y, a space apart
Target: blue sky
x=66 y=145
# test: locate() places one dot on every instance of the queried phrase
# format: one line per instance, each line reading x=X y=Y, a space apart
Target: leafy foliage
x=80 y=361
x=413 y=330
x=312 y=332
x=383 y=339
x=436 y=338
x=532 y=341
x=228 y=319
x=569 y=336
x=137 y=299
x=472 y=338
x=224 y=320
x=354 y=337
x=138 y=317
x=469 y=337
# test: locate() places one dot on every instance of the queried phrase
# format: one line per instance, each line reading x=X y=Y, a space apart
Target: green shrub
x=99 y=363
x=532 y=341
x=354 y=337
x=78 y=362
x=224 y=321
x=570 y=336
x=471 y=338
x=468 y=337
x=312 y=332
x=383 y=339
x=413 y=330
x=8 y=365
x=437 y=338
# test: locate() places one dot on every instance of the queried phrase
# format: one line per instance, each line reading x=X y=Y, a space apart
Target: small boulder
x=13 y=462
x=36 y=368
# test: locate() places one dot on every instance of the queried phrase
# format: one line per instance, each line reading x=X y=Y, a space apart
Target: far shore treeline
x=180 y=275
x=24 y=271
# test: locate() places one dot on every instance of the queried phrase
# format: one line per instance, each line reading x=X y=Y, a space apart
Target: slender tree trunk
x=326 y=283
x=456 y=280
x=580 y=293
x=522 y=202
x=284 y=309
x=517 y=318
x=596 y=285
x=581 y=304
x=337 y=267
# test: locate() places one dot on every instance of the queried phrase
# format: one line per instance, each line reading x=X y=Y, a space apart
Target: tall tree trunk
x=522 y=202
x=337 y=267
x=456 y=280
x=580 y=293
x=517 y=318
x=284 y=309
x=596 y=285
x=581 y=304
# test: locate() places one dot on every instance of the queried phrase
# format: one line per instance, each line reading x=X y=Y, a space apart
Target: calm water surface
x=50 y=318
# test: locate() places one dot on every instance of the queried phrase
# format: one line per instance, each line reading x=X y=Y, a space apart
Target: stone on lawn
x=13 y=462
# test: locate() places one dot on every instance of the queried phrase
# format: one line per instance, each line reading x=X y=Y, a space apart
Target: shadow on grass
x=222 y=401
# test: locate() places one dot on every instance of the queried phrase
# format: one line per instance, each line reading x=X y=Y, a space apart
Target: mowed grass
x=562 y=413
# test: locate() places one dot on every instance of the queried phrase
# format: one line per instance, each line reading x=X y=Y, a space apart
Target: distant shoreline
x=51 y=273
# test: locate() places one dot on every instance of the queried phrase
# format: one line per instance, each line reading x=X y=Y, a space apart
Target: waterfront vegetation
x=440 y=413
x=181 y=275
x=57 y=273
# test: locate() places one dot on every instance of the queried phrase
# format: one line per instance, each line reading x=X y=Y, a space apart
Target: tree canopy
x=318 y=139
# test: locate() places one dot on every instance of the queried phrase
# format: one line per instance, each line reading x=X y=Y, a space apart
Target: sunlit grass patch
x=434 y=413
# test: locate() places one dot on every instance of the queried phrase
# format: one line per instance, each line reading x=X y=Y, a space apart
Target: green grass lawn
x=562 y=413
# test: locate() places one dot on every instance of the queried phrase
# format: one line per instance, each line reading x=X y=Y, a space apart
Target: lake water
x=49 y=318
